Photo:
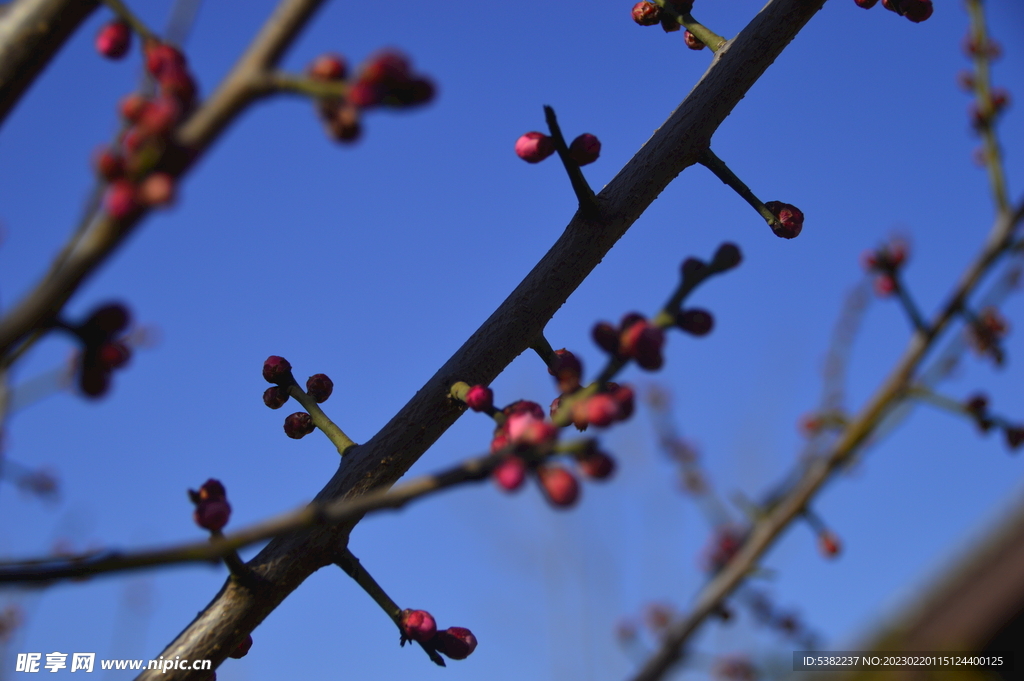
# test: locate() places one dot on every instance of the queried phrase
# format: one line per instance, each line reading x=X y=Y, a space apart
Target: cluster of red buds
x=885 y=262
x=130 y=166
x=985 y=334
x=212 y=508
x=534 y=147
x=278 y=370
x=456 y=643
x=649 y=14
x=103 y=347
x=977 y=406
x=635 y=338
x=789 y=219
x=915 y=10
x=386 y=79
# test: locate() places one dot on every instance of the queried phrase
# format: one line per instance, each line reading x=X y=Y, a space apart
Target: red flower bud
x=121 y=199
x=646 y=13
x=885 y=285
x=601 y=410
x=727 y=257
x=597 y=465
x=692 y=41
x=163 y=61
x=242 y=649
x=114 y=39
x=606 y=336
x=298 y=425
x=319 y=387
x=157 y=190
x=455 y=642
x=866 y=4
x=480 y=398
x=132 y=107
x=212 y=509
x=585 y=149
x=534 y=147
x=109 y=165
x=328 y=67
x=510 y=473
x=559 y=486
x=643 y=341
x=567 y=369
x=277 y=370
x=697 y=322
x=790 y=219
x=829 y=544
x=418 y=625
x=275 y=396
x=112 y=355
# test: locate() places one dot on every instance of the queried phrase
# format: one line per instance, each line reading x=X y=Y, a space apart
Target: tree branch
x=510 y=330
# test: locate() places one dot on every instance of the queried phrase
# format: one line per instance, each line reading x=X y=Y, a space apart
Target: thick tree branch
x=287 y=561
x=31 y=32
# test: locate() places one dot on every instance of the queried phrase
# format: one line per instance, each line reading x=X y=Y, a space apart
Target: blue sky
x=373 y=263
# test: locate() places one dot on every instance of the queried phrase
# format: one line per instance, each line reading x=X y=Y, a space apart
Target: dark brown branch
x=287 y=561
x=31 y=33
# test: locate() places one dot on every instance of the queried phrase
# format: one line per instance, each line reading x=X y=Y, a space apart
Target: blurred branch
x=819 y=470
x=31 y=33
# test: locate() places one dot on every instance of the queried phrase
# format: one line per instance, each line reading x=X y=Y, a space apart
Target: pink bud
x=534 y=147
x=277 y=370
x=328 y=67
x=646 y=13
x=418 y=625
x=480 y=398
x=643 y=342
x=455 y=642
x=790 y=219
x=114 y=39
x=559 y=486
x=510 y=473
x=109 y=166
x=692 y=41
x=157 y=190
x=132 y=107
x=163 y=60
x=885 y=285
x=524 y=428
x=120 y=200
x=585 y=149
x=601 y=410
x=298 y=425
x=829 y=544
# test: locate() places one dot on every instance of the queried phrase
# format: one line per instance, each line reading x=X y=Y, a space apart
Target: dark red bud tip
x=790 y=219
x=319 y=387
x=480 y=398
x=559 y=486
x=646 y=13
x=917 y=10
x=597 y=465
x=606 y=336
x=275 y=396
x=298 y=425
x=112 y=355
x=94 y=381
x=328 y=67
x=242 y=649
x=829 y=544
x=567 y=370
x=109 y=165
x=643 y=341
x=692 y=268
x=418 y=625
x=585 y=149
x=866 y=4
x=121 y=199
x=727 y=257
x=695 y=321
x=669 y=24
x=534 y=147
x=1014 y=436
x=212 y=509
x=277 y=370
x=510 y=473
x=692 y=41
x=114 y=39
x=108 y=319
x=457 y=643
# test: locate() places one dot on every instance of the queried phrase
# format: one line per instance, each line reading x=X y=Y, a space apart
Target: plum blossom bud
x=646 y=13
x=727 y=257
x=693 y=268
x=597 y=465
x=319 y=387
x=917 y=10
x=212 y=509
x=510 y=473
x=242 y=649
x=829 y=544
x=534 y=147
x=275 y=396
x=277 y=370
x=121 y=199
x=480 y=398
x=114 y=39
x=298 y=425
x=606 y=336
x=567 y=369
x=456 y=643
x=559 y=486
x=790 y=219
x=692 y=41
x=109 y=165
x=524 y=428
x=695 y=321
x=418 y=625
x=643 y=342
x=601 y=410
x=866 y=4
x=157 y=190
x=585 y=149
x=328 y=67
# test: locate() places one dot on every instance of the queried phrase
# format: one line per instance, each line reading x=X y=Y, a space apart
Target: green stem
x=709 y=160
x=131 y=19
x=544 y=350
x=584 y=194
x=280 y=81
x=335 y=434
x=699 y=30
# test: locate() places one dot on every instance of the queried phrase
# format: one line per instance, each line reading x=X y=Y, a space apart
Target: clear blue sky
x=373 y=263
